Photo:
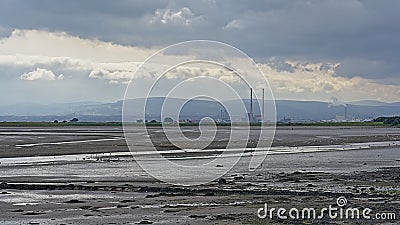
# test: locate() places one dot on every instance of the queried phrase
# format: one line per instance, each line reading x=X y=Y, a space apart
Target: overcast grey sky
x=60 y=51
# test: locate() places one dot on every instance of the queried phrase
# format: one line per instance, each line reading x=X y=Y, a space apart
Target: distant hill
x=369 y=103
x=194 y=109
x=34 y=109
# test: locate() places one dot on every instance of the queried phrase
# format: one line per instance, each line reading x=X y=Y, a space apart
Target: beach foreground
x=61 y=176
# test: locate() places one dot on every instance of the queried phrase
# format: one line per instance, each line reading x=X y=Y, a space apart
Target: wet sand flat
x=39 y=141
x=119 y=192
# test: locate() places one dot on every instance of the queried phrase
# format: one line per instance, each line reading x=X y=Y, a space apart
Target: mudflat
x=42 y=141
x=115 y=190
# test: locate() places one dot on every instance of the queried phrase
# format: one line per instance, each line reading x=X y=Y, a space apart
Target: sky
x=70 y=51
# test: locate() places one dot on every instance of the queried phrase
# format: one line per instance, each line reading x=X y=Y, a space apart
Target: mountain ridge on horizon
x=101 y=112
x=358 y=102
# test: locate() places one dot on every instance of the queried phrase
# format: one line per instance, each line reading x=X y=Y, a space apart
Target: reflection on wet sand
x=98 y=182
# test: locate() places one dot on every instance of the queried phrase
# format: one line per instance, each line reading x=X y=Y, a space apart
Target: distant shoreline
x=158 y=124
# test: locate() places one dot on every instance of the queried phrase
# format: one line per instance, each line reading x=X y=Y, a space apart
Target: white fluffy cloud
x=234 y=24
x=183 y=16
x=30 y=49
x=112 y=76
x=313 y=81
x=41 y=74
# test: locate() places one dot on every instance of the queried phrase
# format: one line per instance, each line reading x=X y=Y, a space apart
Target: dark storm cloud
x=362 y=35
x=102 y=19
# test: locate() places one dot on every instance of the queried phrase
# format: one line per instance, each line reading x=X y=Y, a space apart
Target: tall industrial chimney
x=251 y=105
x=263 y=107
